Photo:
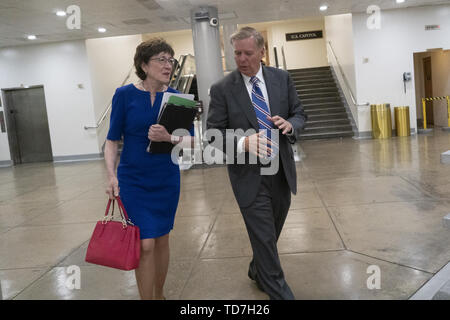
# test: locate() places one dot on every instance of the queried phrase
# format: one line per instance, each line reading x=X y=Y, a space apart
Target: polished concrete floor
x=361 y=203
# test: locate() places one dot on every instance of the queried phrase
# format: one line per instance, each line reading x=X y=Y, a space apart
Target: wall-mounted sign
x=432 y=27
x=304 y=35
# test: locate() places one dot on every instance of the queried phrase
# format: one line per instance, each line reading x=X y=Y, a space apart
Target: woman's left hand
x=158 y=133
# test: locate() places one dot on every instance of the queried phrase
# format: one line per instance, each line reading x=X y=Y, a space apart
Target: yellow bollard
x=448 y=115
x=424 y=114
x=425 y=130
x=448 y=111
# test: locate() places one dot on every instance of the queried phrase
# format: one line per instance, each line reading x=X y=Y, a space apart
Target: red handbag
x=115 y=244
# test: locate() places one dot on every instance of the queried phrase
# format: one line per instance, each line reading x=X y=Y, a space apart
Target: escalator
x=184 y=78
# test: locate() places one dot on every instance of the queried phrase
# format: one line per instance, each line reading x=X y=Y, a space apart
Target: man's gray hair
x=248 y=32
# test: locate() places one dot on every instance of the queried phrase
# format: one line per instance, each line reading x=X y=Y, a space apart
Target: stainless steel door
x=28 y=130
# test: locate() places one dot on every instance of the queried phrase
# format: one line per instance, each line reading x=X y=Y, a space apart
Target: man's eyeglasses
x=163 y=60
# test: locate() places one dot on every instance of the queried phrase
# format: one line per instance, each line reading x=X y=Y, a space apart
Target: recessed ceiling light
x=400 y=1
x=60 y=13
x=101 y=30
x=323 y=8
x=31 y=37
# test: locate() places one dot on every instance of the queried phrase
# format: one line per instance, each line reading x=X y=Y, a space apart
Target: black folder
x=173 y=117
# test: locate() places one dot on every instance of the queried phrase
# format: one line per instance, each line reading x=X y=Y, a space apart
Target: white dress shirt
x=261 y=85
x=249 y=86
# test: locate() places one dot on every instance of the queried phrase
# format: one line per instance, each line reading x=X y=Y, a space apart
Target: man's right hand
x=257 y=144
x=113 y=188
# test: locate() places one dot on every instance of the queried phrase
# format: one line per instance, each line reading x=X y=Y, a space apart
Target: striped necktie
x=262 y=112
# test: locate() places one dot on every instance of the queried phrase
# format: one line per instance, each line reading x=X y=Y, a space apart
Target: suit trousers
x=264 y=220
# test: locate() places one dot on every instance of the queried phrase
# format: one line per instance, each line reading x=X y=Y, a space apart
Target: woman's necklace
x=153 y=94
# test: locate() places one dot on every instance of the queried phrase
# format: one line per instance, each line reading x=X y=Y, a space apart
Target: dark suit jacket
x=231 y=108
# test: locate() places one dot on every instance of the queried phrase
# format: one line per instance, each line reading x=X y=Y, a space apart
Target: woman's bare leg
x=162 y=254
x=145 y=274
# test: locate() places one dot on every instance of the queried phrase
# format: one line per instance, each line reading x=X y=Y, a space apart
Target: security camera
x=214 y=22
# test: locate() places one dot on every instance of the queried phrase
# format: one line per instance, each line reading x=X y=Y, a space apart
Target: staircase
x=319 y=94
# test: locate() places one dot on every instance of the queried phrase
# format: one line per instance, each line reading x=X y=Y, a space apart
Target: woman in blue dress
x=149 y=184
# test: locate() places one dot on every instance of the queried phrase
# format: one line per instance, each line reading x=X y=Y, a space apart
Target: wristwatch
x=175 y=139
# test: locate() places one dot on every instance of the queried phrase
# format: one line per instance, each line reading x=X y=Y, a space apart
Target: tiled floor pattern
x=360 y=203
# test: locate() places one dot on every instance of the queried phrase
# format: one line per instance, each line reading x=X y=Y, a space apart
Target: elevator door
x=28 y=130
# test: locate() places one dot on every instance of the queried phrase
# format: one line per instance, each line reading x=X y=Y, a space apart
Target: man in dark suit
x=252 y=98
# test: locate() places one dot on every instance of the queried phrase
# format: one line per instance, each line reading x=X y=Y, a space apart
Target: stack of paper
x=177 y=112
x=168 y=95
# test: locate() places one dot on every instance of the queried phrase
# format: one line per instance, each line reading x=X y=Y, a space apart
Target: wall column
x=208 y=57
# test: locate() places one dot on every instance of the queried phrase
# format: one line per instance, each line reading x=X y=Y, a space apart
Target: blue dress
x=149 y=183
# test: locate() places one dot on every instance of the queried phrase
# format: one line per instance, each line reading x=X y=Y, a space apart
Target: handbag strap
x=105 y=218
x=107 y=208
x=123 y=213
x=121 y=206
x=125 y=219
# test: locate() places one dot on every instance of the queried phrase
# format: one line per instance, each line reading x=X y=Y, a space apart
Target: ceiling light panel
x=136 y=21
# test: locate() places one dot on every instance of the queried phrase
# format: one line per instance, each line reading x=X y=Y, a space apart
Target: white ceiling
x=19 y=18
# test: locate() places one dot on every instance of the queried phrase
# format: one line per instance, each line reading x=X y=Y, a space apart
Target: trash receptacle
x=381 y=120
x=402 y=125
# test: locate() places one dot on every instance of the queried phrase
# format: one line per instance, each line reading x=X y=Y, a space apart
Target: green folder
x=175 y=114
x=178 y=101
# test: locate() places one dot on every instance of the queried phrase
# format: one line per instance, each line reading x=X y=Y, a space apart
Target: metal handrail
x=183 y=61
x=345 y=79
x=276 y=57
x=105 y=113
x=284 y=58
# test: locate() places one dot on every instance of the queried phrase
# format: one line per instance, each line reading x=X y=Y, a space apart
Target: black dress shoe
x=250 y=275
x=255 y=278
x=259 y=286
